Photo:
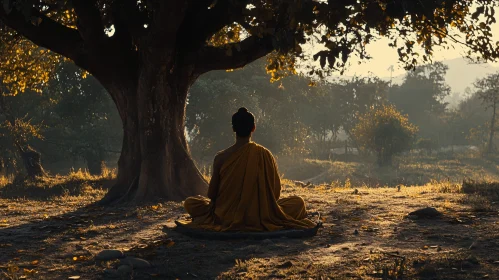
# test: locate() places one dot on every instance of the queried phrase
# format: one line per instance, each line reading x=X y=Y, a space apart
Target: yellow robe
x=248 y=197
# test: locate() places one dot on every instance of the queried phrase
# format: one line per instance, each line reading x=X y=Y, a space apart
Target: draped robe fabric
x=248 y=197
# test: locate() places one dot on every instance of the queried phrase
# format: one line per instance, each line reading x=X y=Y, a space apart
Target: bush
x=384 y=131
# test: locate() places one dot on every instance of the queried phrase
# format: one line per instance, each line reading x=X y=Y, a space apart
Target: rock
x=428 y=212
x=287 y=264
x=466 y=265
x=267 y=242
x=473 y=259
x=108 y=254
x=135 y=263
x=111 y=273
x=124 y=269
x=300 y=184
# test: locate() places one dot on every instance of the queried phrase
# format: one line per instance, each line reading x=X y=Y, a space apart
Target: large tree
x=488 y=92
x=148 y=53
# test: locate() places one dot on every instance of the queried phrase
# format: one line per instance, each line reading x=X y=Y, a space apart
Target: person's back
x=245 y=188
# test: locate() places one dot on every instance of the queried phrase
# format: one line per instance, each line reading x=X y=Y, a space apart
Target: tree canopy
x=229 y=34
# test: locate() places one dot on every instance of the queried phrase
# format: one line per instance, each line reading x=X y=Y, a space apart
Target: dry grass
x=367 y=233
x=386 y=244
x=4 y=180
x=409 y=170
x=76 y=183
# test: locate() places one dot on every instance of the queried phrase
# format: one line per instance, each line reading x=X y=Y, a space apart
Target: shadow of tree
x=80 y=234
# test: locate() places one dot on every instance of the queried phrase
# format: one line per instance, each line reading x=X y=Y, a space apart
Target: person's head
x=243 y=123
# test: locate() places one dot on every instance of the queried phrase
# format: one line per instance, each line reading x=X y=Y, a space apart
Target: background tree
x=385 y=131
x=20 y=130
x=357 y=97
x=70 y=120
x=148 y=53
x=421 y=96
x=82 y=118
x=488 y=92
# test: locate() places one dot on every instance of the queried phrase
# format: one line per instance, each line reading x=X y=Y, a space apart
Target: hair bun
x=242 y=110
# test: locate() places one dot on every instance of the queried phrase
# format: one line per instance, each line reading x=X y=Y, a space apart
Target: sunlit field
x=51 y=229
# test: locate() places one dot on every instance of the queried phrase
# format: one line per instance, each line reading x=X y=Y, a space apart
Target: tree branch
x=202 y=23
x=89 y=22
x=232 y=56
x=48 y=34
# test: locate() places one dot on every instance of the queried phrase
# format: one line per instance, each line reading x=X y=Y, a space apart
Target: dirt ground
x=367 y=235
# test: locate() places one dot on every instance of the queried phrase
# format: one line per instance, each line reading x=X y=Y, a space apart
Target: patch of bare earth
x=366 y=235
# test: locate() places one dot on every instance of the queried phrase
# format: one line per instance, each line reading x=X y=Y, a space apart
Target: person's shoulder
x=263 y=149
x=221 y=155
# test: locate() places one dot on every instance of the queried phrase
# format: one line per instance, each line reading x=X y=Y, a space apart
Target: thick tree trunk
x=155 y=162
x=167 y=169
x=130 y=158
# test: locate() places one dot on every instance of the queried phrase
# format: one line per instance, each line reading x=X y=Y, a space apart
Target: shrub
x=384 y=131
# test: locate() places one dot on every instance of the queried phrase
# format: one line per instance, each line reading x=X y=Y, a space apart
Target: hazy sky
x=384 y=56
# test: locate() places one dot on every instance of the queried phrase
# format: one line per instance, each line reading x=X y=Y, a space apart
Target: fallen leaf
x=29 y=271
x=169 y=243
x=35 y=262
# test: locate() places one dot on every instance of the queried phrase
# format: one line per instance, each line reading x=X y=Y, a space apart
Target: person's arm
x=274 y=177
x=215 y=179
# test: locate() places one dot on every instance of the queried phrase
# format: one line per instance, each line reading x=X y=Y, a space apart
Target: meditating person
x=244 y=191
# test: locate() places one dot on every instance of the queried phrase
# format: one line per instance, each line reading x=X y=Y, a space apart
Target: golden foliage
x=280 y=65
x=23 y=65
x=229 y=34
x=22 y=130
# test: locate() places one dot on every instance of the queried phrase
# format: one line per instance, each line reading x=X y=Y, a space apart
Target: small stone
x=76 y=277
x=124 y=269
x=267 y=242
x=136 y=263
x=287 y=264
x=472 y=259
x=108 y=254
x=466 y=265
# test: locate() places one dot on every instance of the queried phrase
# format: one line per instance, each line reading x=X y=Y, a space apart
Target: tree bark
x=155 y=162
x=167 y=169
